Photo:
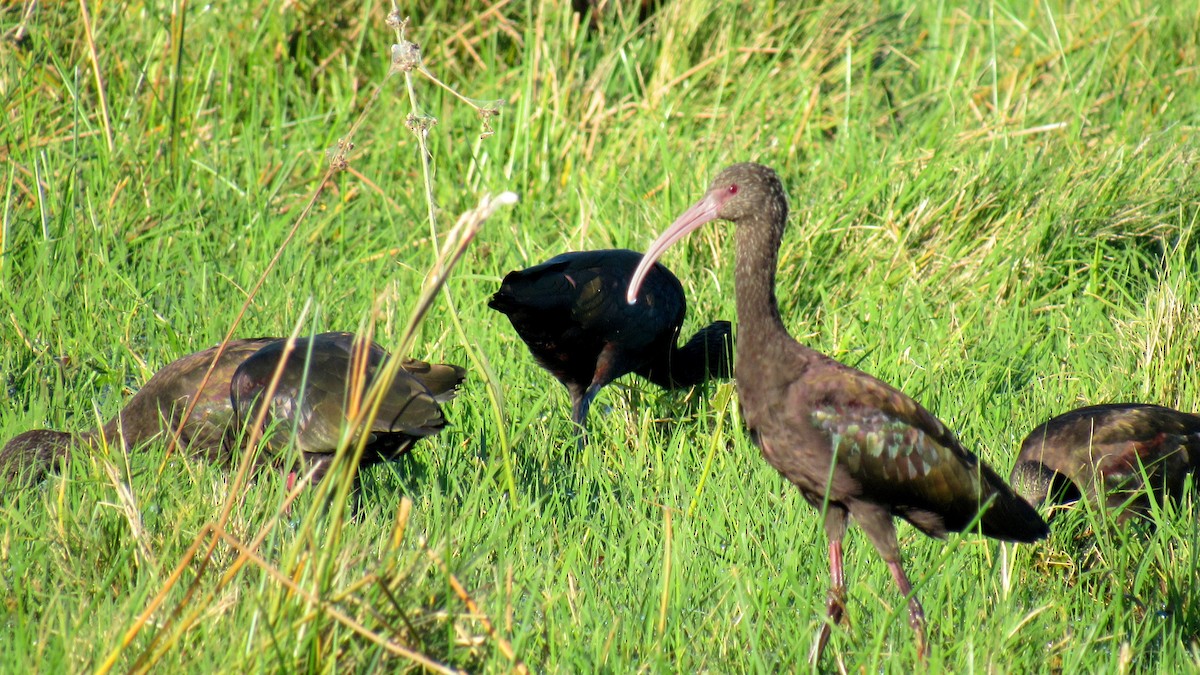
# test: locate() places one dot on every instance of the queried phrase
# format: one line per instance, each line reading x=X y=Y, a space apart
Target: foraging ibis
x=1113 y=455
x=308 y=405
x=854 y=446
x=570 y=311
x=155 y=410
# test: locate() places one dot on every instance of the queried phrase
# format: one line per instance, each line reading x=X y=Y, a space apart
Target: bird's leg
x=581 y=402
x=916 y=615
x=878 y=526
x=835 y=608
x=836 y=605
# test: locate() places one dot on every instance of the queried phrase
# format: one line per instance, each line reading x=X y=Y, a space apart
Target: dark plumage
x=853 y=445
x=1104 y=453
x=309 y=407
x=570 y=311
x=308 y=403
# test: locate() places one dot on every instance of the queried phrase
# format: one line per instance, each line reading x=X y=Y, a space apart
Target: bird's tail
x=1009 y=517
x=442 y=379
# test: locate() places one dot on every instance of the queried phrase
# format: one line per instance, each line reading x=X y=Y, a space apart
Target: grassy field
x=994 y=208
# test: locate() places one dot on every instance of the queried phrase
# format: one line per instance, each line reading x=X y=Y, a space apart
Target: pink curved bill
x=698 y=214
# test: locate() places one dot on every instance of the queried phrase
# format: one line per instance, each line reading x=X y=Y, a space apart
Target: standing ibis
x=308 y=405
x=570 y=311
x=1113 y=455
x=852 y=444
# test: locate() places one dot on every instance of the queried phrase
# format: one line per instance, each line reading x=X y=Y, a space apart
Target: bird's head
x=745 y=194
x=1034 y=481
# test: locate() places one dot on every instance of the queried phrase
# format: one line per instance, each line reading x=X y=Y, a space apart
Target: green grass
x=994 y=208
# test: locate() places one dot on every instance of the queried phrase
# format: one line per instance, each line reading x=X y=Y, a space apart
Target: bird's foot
x=835 y=611
x=916 y=619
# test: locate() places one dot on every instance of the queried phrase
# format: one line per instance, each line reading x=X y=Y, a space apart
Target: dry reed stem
x=457 y=242
x=343 y=618
x=128 y=506
x=155 y=602
x=406 y=57
x=337 y=162
x=91 y=44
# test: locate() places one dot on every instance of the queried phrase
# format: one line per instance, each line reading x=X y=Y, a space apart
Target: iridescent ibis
x=854 y=446
x=324 y=378
x=308 y=405
x=570 y=311
x=1113 y=455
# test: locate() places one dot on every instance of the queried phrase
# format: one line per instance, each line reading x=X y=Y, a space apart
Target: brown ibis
x=156 y=408
x=570 y=311
x=854 y=446
x=308 y=405
x=1113 y=455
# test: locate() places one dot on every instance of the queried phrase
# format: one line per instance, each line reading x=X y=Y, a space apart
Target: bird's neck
x=761 y=327
x=707 y=354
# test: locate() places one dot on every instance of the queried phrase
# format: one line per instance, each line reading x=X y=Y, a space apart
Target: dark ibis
x=852 y=444
x=1114 y=456
x=570 y=311
x=321 y=379
x=309 y=405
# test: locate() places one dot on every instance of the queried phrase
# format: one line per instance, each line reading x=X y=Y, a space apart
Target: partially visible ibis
x=322 y=380
x=309 y=405
x=1115 y=455
x=154 y=411
x=854 y=446
x=571 y=312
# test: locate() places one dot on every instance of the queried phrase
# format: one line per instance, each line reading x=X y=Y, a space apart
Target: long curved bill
x=698 y=214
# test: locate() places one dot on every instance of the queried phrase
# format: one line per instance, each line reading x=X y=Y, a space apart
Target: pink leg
x=835 y=607
x=290 y=483
x=916 y=615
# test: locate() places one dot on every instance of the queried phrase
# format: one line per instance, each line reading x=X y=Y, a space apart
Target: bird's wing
x=321 y=381
x=586 y=291
x=892 y=447
x=542 y=288
x=1111 y=437
x=901 y=456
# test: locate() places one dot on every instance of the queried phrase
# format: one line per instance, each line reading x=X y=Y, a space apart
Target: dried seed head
x=406 y=56
x=420 y=124
x=336 y=155
x=395 y=21
x=485 y=115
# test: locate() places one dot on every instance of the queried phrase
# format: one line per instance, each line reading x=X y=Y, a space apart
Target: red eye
x=732 y=189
